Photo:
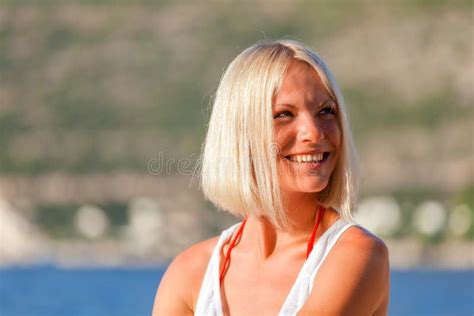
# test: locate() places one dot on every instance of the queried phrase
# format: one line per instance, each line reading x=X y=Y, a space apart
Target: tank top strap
x=209 y=299
x=303 y=285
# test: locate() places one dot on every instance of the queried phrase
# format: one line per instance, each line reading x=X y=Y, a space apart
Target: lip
x=312 y=152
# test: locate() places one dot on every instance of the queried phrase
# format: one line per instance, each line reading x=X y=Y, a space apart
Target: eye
x=329 y=110
x=283 y=114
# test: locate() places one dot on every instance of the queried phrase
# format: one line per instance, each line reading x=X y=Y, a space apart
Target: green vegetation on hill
x=98 y=86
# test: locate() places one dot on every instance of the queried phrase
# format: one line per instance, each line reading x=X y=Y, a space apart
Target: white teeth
x=318 y=157
x=307 y=158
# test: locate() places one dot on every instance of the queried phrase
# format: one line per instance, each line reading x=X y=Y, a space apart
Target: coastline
x=405 y=254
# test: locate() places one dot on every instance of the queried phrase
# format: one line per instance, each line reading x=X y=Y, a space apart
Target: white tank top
x=209 y=300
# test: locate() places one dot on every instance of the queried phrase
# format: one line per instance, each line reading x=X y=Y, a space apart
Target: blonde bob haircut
x=239 y=171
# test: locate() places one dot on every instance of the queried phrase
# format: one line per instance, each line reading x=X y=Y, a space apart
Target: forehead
x=301 y=81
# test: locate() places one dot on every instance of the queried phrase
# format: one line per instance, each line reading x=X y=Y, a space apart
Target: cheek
x=282 y=138
x=333 y=132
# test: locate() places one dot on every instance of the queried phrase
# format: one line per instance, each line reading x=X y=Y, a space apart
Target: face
x=306 y=130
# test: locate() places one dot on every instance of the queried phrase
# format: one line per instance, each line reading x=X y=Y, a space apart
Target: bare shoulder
x=361 y=254
x=180 y=285
x=368 y=254
x=354 y=278
x=194 y=260
x=364 y=243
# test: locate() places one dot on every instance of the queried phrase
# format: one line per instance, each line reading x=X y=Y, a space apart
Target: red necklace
x=309 y=247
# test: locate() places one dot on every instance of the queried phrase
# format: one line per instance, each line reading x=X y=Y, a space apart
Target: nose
x=309 y=129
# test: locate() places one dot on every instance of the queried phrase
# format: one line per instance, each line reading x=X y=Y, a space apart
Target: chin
x=309 y=187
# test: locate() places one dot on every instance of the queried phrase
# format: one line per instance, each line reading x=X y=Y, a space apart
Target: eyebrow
x=293 y=106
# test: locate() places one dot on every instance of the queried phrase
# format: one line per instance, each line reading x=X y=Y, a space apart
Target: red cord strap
x=226 y=263
x=309 y=247
x=320 y=214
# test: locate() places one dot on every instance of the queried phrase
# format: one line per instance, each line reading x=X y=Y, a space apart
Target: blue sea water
x=96 y=292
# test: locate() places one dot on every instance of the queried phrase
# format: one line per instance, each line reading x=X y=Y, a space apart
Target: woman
x=279 y=153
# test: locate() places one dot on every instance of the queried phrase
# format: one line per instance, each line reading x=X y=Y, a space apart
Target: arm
x=179 y=287
x=172 y=297
x=354 y=279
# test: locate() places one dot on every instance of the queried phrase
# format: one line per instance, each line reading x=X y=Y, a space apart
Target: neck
x=266 y=240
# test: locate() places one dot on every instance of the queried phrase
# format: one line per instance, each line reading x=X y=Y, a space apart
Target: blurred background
x=104 y=106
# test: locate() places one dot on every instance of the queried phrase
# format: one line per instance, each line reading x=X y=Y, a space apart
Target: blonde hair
x=239 y=162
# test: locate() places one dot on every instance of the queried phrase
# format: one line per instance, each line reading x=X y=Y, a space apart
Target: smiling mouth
x=316 y=158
